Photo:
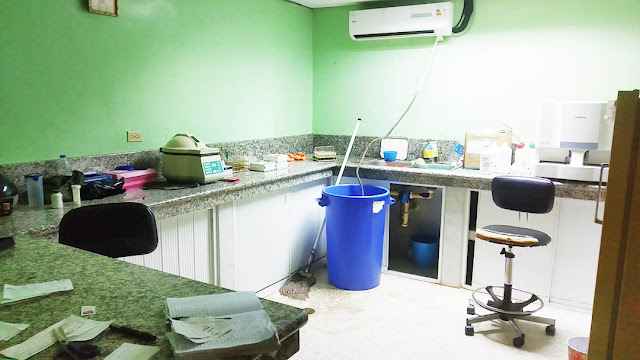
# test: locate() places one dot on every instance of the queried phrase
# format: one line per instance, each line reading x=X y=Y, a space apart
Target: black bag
x=91 y=191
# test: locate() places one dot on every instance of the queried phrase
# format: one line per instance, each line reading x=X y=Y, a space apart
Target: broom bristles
x=297 y=286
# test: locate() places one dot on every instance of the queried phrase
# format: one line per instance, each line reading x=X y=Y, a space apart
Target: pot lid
x=187 y=144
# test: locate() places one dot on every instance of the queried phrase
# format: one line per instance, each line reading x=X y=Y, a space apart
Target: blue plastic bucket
x=424 y=249
x=355 y=234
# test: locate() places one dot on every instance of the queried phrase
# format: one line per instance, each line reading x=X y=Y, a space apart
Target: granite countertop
x=462 y=178
x=165 y=204
x=127 y=294
x=169 y=203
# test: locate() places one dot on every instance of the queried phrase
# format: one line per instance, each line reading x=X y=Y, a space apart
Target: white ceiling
x=328 y=3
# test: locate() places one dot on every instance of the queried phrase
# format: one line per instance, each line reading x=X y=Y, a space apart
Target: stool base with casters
x=505 y=308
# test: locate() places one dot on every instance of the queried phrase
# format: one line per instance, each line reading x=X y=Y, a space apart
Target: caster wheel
x=518 y=342
x=550 y=330
x=468 y=330
x=471 y=310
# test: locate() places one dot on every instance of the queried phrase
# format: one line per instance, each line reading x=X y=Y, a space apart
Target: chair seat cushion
x=513 y=235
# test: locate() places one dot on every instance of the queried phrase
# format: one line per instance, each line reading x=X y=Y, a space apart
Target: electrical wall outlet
x=134 y=136
x=278 y=126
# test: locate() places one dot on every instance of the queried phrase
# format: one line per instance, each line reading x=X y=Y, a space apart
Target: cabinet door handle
x=602 y=167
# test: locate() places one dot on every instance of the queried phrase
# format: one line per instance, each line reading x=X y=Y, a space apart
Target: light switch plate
x=134 y=136
x=278 y=126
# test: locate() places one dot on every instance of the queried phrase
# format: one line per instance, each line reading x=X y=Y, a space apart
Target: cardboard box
x=473 y=143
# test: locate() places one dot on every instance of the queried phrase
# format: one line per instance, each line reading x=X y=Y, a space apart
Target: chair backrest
x=114 y=230
x=523 y=193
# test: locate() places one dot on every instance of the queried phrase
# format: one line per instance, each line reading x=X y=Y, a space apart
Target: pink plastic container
x=134 y=178
x=578 y=348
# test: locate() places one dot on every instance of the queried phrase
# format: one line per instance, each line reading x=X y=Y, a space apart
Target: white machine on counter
x=187 y=159
x=573 y=139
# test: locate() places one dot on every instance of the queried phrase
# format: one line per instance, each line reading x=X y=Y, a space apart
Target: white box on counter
x=263 y=166
x=474 y=142
x=278 y=158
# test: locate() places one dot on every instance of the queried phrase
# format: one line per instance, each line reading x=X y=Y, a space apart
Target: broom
x=298 y=285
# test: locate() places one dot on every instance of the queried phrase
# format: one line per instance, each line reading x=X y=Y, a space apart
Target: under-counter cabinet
x=185 y=247
x=425 y=222
x=264 y=238
x=415 y=223
x=254 y=240
x=576 y=253
x=563 y=271
x=247 y=244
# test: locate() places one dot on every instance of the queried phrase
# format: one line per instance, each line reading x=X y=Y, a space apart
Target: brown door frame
x=615 y=327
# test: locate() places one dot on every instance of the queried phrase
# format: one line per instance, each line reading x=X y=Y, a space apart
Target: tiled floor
x=410 y=319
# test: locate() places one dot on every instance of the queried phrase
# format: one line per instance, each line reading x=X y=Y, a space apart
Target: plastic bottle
x=485 y=159
x=519 y=166
x=62 y=166
x=75 y=190
x=501 y=158
x=506 y=154
x=532 y=159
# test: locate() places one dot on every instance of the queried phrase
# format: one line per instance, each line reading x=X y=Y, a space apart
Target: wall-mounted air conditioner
x=402 y=21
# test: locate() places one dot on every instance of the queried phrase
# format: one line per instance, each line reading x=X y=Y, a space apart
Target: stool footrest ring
x=515 y=308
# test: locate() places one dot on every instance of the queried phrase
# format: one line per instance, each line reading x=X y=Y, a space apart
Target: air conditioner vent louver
x=398 y=34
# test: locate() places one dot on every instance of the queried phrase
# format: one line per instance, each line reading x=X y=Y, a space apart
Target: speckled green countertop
x=122 y=292
x=166 y=204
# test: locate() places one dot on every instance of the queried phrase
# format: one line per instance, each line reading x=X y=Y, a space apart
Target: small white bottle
x=75 y=190
x=56 y=200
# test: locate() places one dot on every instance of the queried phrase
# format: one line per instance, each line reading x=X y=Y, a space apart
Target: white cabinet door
x=577 y=251
x=226 y=245
x=185 y=247
x=532 y=267
x=306 y=219
x=254 y=241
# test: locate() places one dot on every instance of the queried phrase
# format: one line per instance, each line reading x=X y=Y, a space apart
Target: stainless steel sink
x=431 y=166
x=408 y=165
x=398 y=163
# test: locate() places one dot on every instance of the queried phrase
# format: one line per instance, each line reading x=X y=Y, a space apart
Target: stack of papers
x=220 y=325
x=75 y=328
x=13 y=293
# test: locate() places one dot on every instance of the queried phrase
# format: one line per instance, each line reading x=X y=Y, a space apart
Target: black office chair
x=114 y=230
x=523 y=194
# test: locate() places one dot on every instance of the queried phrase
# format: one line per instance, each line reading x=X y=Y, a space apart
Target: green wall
x=74 y=82
x=513 y=55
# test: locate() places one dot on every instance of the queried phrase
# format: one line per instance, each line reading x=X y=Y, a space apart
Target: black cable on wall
x=462 y=24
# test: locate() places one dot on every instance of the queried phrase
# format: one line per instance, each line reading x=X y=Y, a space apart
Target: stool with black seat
x=114 y=230
x=523 y=194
